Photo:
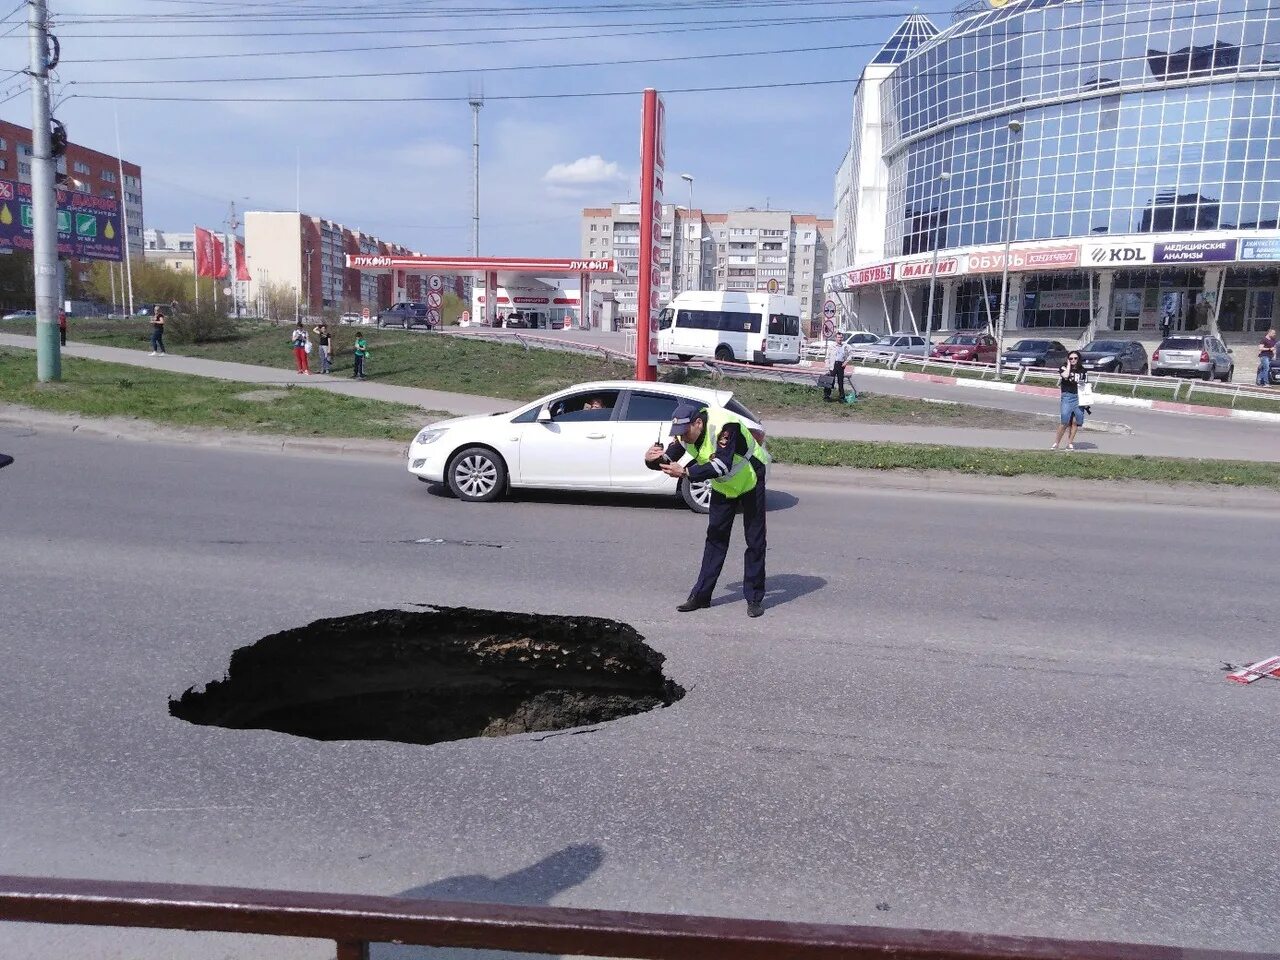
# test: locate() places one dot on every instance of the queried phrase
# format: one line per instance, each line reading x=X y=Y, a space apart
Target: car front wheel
x=477 y=474
x=696 y=496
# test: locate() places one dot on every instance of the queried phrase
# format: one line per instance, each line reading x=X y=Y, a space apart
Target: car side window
x=592 y=407
x=529 y=416
x=650 y=407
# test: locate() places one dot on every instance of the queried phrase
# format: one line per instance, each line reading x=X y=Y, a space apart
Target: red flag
x=208 y=259
x=242 y=266
x=219 y=255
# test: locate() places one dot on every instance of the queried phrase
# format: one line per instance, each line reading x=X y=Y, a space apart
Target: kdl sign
x=1119 y=254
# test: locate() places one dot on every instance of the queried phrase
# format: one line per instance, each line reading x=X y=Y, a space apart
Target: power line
x=498 y=69
x=13 y=11
x=401 y=31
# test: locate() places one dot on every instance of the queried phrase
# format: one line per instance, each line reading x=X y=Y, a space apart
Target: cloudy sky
x=202 y=89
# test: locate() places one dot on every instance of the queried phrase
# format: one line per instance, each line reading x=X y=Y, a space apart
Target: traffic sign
x=433 y=318
x=434 y=298
x=829 y=309
x=828 y=329
x=435 y=283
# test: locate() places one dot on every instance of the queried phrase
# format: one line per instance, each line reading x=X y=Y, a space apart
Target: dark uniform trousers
x=837 y=371
x=719 y=528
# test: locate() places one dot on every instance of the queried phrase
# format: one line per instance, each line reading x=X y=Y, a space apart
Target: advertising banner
x=1062 y=300
x=923 y=269
x=880 y=273
x=1029 y=258
x=1118 y=254
x=1260 y=248
x=89 y=228
x=1195 y=251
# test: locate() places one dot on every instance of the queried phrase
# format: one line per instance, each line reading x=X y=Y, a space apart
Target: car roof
x=715 y=397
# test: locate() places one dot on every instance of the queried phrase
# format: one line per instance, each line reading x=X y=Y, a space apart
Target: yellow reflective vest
x=740 y=478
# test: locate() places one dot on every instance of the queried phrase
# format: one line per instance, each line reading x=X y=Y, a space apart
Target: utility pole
x=476 y=101
x=233 y=224
x=44 y=203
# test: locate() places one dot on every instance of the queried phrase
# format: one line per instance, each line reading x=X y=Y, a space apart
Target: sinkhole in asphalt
x=446 y=673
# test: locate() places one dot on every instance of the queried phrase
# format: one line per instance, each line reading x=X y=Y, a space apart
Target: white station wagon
x=589 y=437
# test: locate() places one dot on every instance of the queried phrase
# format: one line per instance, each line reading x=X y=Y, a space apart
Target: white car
x=19 y=315
x=562 y=442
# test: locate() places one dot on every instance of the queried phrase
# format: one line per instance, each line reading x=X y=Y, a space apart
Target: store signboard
x=880 y=273
x=1195 y=251
x=1119 y=254
x=1026 y=258
x=1062 y=300
x=923 y=269
x=1260 y=248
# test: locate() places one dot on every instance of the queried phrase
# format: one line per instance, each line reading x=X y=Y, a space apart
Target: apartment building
x=741 y=250
x=82 y=170
x=309 y=254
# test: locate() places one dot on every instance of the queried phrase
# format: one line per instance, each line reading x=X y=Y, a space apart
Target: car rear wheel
x=477 y=474
x=1144 y=371
x=724 y=353
x=696 y=496
x=1230 y=374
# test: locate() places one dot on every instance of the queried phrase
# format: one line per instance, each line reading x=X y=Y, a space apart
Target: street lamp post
x=943 y=177
x=688 y=258
x=1006 y=228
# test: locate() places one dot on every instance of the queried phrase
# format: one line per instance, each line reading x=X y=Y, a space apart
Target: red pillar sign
x=652 y=161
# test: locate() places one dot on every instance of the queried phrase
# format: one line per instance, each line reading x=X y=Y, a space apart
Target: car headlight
x=430 y=435
x=1104 y=360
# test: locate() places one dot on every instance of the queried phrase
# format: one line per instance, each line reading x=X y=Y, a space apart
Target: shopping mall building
x=1126 y=151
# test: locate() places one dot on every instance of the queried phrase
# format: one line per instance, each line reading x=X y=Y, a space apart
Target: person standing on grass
x=325 y=342
x=299 y=344
x=1070 y=375
x=1266 y=357
x=361 y=352
x=157 y=332
x=62 y=327
x=839 y=357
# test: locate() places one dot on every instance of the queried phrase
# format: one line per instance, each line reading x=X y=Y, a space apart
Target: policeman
x=724 y=452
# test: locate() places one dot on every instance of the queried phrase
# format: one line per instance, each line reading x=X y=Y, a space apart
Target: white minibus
x=727 y=325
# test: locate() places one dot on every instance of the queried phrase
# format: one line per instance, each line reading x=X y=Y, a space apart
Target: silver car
x=894 y=345
x=1193 y=356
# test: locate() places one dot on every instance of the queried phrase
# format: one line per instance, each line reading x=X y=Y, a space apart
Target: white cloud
x=592 y=171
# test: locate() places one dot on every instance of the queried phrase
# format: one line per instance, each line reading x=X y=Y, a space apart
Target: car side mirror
x=1229 y=350
x=544 y=415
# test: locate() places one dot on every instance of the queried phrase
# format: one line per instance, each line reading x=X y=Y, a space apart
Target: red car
x=977 y=347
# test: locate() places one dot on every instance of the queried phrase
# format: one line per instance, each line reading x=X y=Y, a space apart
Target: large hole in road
x=428 y=676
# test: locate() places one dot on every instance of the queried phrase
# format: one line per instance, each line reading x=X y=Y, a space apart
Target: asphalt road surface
x=958 y=712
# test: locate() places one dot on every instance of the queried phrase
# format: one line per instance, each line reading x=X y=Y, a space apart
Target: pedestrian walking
x=157 y=332
x=838 y=357
x=62 y=327
x=361 y=353
x=724 y=452
x=1266 y=357
x=1166 y=324
x=301 y=345
x=1071 y=377
x=324 y=343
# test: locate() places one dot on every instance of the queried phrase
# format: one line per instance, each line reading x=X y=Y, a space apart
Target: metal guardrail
x=353 y=922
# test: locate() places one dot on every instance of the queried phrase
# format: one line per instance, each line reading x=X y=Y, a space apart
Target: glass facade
x=1138 y=116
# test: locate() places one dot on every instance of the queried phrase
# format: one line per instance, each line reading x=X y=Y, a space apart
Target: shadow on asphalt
x=777 y=500
x=781 y=588
x=534 y=885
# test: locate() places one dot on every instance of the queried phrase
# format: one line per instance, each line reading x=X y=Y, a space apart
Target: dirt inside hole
x=447 y=673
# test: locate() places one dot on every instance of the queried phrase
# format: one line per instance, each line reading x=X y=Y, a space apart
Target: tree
x=153 y=283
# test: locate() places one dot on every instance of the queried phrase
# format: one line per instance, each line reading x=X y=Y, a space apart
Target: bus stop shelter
x=492 y=272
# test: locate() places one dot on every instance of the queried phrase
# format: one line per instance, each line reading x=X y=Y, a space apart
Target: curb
x=902 y=481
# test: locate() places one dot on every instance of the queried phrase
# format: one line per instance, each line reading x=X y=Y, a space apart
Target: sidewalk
x=1109 y=438
x=457 y=403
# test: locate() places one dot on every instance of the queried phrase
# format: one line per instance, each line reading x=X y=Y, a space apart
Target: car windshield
x=733 y=406
x=1105 y=346
x=1183 y=343
x=1031 y=345
x=967 y=339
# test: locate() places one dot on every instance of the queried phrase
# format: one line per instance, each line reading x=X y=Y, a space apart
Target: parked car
x=352 y=318
x=406 y=314
x=894 y=345
x=859 y=338
x=976 y=347
x=1036 y=353
x=1115 y=356
x=19 y=315
x=1193 y=356
x=559 y=443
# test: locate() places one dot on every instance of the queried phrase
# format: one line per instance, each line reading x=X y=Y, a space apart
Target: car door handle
x=595 y=436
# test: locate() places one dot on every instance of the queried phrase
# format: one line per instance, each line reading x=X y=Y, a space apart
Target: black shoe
x=693 y=603
x=755 y=609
